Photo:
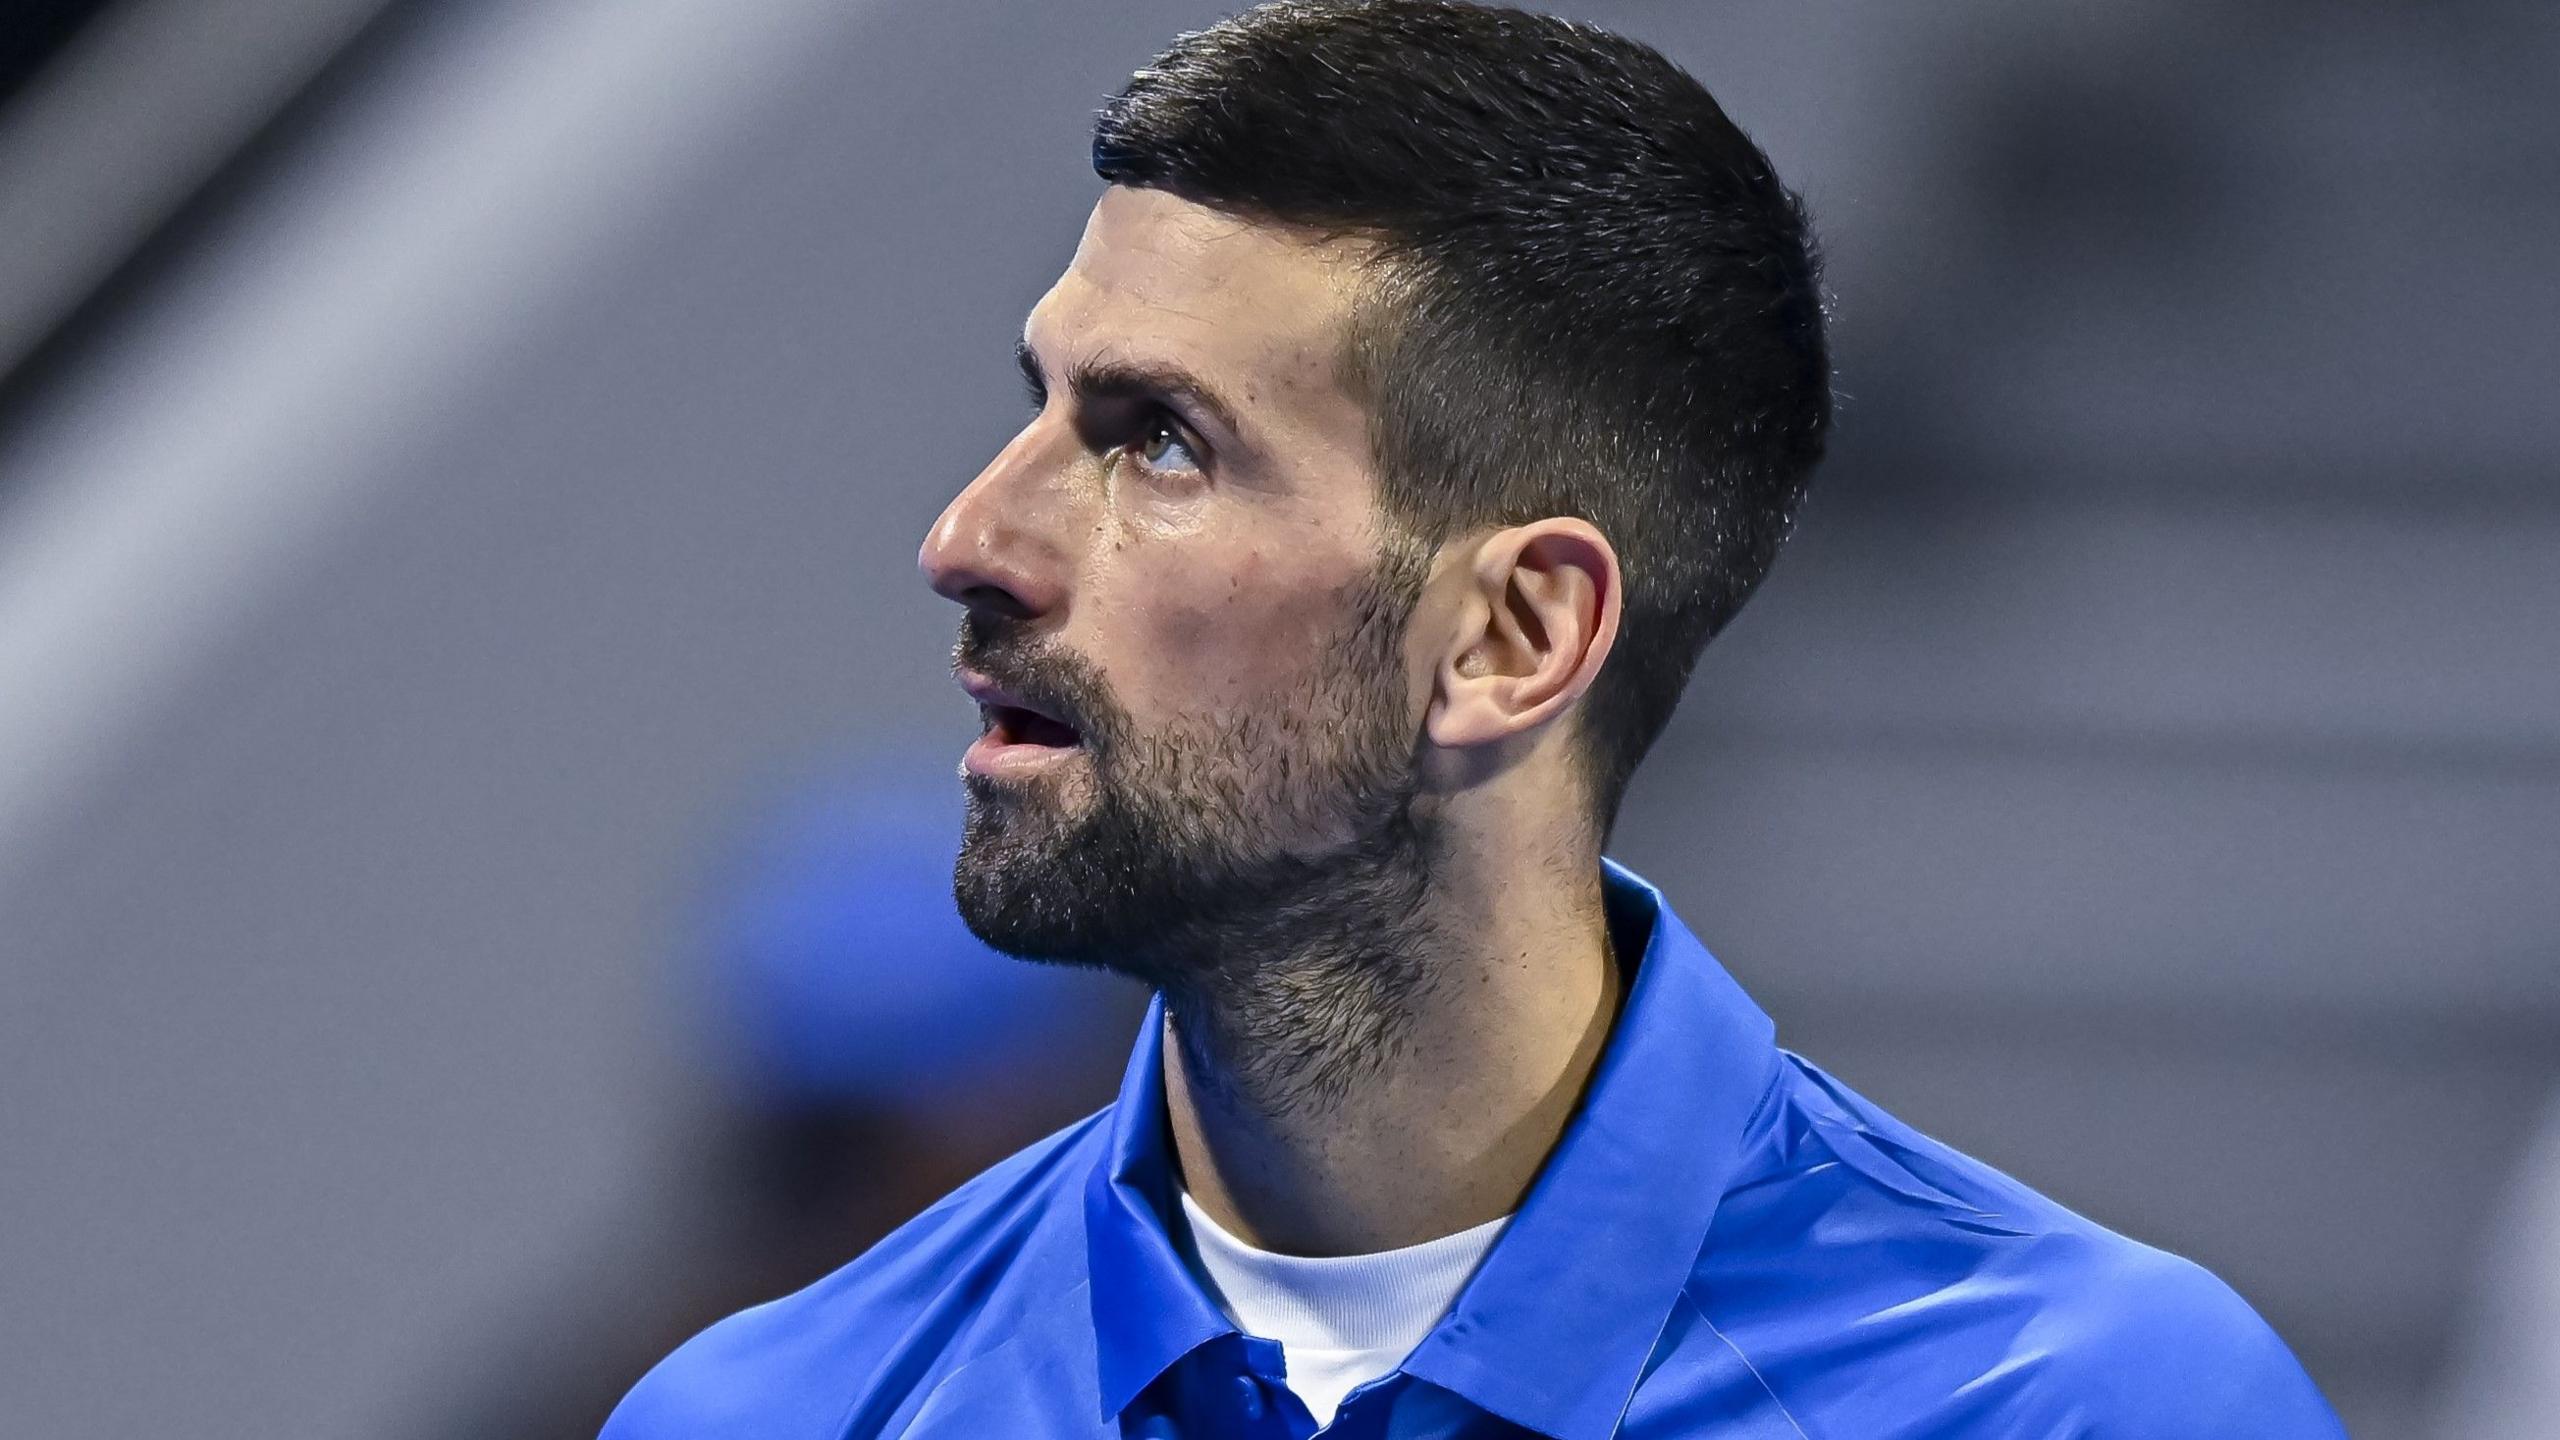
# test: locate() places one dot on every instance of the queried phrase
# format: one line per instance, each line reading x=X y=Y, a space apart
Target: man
x=1430 y=384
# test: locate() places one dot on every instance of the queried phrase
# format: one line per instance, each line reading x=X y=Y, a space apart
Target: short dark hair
x=1591 y=294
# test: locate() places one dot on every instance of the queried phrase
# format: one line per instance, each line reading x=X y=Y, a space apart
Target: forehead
x=1257 y=312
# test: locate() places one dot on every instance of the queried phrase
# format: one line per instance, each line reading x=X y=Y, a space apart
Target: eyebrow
x=1115 y=379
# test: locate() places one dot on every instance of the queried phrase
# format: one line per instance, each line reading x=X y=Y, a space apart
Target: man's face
x=1185 y=626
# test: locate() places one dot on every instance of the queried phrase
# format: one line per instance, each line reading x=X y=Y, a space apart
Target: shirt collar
x=1148 y=1312
x=1613 y=1225
x=1591 y=1264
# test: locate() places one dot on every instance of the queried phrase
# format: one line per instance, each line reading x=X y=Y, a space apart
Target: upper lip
x=988 y=692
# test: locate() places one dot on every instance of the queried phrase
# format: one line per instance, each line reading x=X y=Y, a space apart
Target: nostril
x=994 y=599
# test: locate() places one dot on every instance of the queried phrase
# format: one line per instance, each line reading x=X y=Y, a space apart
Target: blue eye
x=1160 y=437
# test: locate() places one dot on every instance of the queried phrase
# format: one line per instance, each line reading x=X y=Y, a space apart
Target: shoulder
x=2140 y=1342
x=1968 y=1296
x=950 y=1282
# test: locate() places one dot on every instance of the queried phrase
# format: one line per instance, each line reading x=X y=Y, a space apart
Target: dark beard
x=1265 y=870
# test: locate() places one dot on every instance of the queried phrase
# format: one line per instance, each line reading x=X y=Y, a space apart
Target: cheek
x=1239 y=634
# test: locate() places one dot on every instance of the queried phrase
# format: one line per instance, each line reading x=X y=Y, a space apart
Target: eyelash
x=1036 y=395
x=1176 y=433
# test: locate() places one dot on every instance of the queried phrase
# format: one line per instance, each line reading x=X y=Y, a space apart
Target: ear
x=1539 y=616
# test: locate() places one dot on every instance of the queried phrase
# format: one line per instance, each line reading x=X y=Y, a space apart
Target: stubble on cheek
x=1315 y=705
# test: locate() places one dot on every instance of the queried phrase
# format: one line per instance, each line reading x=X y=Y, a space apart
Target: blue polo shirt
x=1726 y=1242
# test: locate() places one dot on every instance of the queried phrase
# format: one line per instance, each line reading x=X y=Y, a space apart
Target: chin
x=1015 y=879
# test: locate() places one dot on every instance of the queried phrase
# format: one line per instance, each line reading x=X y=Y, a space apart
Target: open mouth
x=1013 y=736
x=1015 y=725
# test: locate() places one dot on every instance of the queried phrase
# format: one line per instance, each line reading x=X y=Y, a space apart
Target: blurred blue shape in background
x=838 y=967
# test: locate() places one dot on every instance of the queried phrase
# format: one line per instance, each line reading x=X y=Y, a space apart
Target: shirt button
x=1248 y=1397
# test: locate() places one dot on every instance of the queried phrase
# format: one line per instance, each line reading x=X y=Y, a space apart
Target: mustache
x=1042 y=674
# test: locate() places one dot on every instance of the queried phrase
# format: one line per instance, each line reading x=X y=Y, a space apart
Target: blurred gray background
x=454 y=457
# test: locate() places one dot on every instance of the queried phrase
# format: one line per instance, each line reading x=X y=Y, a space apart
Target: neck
x=1396 y=1075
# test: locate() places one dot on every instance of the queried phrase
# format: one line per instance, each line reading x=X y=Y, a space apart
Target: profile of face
x=1186 y=621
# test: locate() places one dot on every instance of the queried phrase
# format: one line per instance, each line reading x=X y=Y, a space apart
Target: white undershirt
x=1341 y=1320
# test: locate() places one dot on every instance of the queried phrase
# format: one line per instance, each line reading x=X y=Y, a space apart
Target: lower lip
x=990 y=756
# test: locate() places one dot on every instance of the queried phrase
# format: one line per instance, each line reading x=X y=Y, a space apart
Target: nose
x=994 y=547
